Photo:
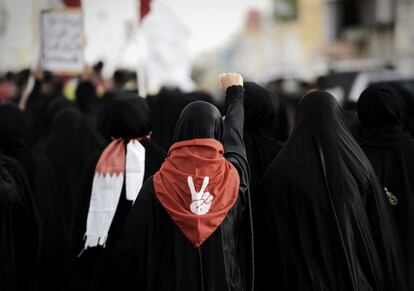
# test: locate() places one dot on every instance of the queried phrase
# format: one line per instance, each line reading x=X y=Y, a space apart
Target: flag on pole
x=167 y=37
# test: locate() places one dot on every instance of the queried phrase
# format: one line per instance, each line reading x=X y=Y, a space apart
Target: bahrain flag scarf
x=113 y=167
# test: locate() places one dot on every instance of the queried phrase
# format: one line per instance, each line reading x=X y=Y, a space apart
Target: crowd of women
x=172 y=192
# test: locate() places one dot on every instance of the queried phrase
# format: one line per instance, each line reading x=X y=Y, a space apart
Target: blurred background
x=291 y=45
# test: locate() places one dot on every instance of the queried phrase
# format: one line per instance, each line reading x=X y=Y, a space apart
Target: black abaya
x=70 y=144
x=19 y=231
x=54 y=248
x=321 y=220
x=153 y=253
x=124 y=117
x=390 y=148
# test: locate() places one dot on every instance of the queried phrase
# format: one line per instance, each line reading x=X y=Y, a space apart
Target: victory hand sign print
x=201 y=201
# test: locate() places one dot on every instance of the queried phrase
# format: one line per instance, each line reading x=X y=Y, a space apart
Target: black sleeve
x=234 y=149
x=235 y=152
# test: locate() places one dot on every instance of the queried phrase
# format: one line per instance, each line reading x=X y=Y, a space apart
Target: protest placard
x=62 y=41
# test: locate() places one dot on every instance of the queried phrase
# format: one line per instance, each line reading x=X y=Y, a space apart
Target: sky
x=214 y=22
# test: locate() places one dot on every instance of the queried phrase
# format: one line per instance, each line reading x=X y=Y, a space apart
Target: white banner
x=62 y=40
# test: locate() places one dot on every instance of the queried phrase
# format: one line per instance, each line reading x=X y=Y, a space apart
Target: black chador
x=390 y=148
x=321 y=220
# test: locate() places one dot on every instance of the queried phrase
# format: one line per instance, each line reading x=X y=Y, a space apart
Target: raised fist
x=230 y=79
x=201 y=201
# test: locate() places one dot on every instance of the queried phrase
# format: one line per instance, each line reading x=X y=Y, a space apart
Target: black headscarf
x=390 y=149
x=126 y=117
x=165 y=110
x=199 y=119
x=380 y=105
x=321 y=220
x=261 y=108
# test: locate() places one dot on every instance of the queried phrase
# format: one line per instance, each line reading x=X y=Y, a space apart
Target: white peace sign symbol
x=201 y=201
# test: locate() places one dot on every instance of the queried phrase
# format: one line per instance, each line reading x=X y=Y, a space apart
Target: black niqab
x=321 y=220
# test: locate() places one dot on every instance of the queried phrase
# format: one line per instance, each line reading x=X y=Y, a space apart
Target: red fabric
x=197 y=158
x=72 y=3
x=112 y=159
x=144 y=8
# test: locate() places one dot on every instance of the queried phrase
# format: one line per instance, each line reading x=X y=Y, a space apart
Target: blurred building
x=303 y=38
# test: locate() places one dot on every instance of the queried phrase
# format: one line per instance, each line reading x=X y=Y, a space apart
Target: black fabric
x=153 y=254
x=321 y=220
x=87 y=101
x=261 y=107
x=380 y=105
x=165 y=110
x=37 y=109
x=125 y=117
x=408 y=98
x=95 y=266
x=354 y=126
x=19 y=231
x=199 y=119
x=390 y=148
x=54 y=248
x=69 y=146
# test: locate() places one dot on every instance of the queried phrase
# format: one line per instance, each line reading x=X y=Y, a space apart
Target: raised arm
x=234 y=148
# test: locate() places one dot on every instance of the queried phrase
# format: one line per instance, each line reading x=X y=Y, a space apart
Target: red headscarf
x=197 y=186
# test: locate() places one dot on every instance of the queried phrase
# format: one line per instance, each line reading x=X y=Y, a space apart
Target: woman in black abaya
x=126 y=122
x=390 y=148
x=54 y=248
x=321 y=220
x=70 y=143
x=261 y=108
x=190 y=228
x=19 y=230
